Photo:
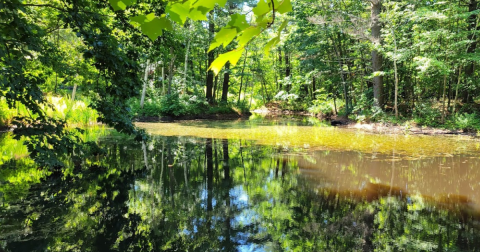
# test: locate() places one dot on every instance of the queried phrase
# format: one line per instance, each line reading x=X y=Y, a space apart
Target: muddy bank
x=378 y=128
x=385 y=128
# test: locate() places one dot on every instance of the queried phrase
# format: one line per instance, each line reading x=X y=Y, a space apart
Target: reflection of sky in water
x=246 y=217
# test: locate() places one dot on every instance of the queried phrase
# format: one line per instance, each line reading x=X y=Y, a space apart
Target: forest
x=401 y=62
x=239 y=125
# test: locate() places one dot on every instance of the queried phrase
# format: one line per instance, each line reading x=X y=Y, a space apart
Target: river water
x=250 y=185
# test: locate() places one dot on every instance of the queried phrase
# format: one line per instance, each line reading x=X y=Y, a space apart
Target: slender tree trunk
x=472 y=28
x=163 y=79
x=145 y=79
x=377 y=60
x=226 y=80
x=241 y=76
x=280 y=63
x=215 y=89
x=287 y=69
x=211 y=30
x=456 y=90
x=444 y=89
x=170 y=70
x=396 y=75
x=287 y=64
x=74 y=91
x=186 y=64
x=313 y=87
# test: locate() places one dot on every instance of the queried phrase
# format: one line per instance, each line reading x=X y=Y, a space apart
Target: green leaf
x=261 y=9
x=141 y=19
x=224 y=36
x=151 y=26
x=247 y=35
x=239 y=22
x=121 y=4
x=221 y=60
x=197 y=15
x=179 y=12
x=271 y=44
x=204 y=6
x=282 y=26
x=284 y=7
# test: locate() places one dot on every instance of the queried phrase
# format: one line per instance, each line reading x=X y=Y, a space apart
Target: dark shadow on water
x=191 y=194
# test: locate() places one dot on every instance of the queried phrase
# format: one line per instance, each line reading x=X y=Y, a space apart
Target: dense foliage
x=369 y=60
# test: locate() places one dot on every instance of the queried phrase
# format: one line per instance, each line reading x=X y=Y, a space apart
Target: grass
x=76 y=113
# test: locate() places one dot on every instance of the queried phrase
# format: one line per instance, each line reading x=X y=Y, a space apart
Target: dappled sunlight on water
x=318 y=137
x=273 y=185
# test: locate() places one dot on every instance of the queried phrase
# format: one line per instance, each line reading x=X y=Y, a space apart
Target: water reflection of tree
x=179 y=194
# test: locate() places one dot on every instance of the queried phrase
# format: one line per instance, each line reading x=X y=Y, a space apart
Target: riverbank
x=217 y=116
x=388 y=128
x=406 y=127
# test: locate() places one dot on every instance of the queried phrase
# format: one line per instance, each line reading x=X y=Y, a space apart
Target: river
x=290 y=184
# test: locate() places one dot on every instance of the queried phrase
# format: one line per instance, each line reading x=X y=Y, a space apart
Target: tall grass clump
x=6 y=114
x=74 y=112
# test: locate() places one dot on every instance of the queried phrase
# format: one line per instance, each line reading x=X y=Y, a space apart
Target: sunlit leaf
x=232 y=56
x=282 y=26
x=205 y=6
x=197 y=15
x=271 y=44
x=262 y=8
x=239 y=22
x=247 y=35
x=141 y=19
x=284 y=7
x=224 y=36
x=152 y=26
x=121 y=4
x=179 y=12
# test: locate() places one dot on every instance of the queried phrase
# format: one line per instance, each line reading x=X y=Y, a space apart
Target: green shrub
x=467 y=121
x=177 y=105
x=151 y=107
x=425 y=114
x=322 y=107
x=242 y=106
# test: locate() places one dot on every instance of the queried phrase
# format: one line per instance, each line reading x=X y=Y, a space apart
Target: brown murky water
x=439 y=168
x=255 y=185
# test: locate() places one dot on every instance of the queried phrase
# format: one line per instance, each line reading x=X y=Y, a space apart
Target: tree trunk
x=456 y=90
x=186 y=64
x=313 y=87
x=241 y=76
x=396 y=75
x=472 y=27
x=377 y=60
x=163 y=79
x=145 y=79
x=74 y=91
x=215 y=89
x=226 y=80
x=170 y=70
x=211 y=56
x=280 y=62
x=443 y=104
x=287 y=64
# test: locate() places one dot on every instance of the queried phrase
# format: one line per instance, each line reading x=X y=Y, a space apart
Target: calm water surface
x=258 y=185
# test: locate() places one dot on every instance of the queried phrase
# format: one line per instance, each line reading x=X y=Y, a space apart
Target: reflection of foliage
x=188 y=194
